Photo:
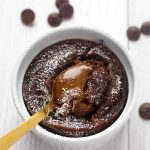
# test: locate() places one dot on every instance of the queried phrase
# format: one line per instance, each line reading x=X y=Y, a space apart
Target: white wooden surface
x=111 y=16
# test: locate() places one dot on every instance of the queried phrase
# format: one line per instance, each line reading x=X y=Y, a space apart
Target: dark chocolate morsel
x=145 y=28
x=60 y=2
x=133 y=33
x=66 y=10
x=54 y=19
x=144 y=111
x=27 y=16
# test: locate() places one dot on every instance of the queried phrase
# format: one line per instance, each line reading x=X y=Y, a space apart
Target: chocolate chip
x=66 y=10
x=27 y=16
x=144 y=111
x=145 y=28
x=133 y=33
x=60 y=2
x=54 y=19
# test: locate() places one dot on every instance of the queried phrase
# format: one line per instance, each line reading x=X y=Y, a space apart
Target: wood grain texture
x=109 y=16
x=140 y=52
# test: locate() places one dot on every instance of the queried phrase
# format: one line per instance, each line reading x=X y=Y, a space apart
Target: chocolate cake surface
x=90 y=87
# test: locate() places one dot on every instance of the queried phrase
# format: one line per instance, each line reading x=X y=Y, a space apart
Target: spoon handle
x=14 y=135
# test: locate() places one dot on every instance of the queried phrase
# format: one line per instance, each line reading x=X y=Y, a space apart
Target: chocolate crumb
x=81 y=109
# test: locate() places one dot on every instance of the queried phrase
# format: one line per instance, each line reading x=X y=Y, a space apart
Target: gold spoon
x=14 y=135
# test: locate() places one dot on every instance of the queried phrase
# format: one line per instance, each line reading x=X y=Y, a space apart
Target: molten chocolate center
x=70 y=82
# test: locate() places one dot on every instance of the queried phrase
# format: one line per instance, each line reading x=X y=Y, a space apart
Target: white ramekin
x=66 y=143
